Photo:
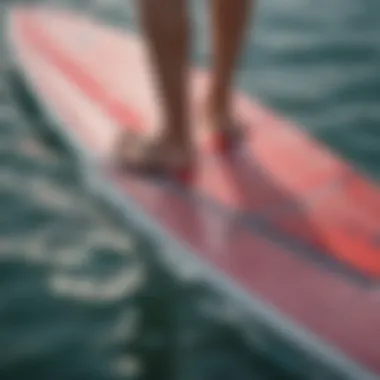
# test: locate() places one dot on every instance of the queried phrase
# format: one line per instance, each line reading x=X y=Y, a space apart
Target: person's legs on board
x=166 y=24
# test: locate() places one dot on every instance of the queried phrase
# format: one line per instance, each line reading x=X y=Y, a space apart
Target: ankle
x=216 y=110
x=178 y=138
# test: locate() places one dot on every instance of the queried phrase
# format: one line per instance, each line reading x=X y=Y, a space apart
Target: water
x=83 y=298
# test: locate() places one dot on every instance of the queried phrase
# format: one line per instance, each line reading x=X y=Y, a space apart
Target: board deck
x=284 y=219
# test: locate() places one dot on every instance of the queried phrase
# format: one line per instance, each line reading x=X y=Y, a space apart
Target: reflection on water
x=80 y=296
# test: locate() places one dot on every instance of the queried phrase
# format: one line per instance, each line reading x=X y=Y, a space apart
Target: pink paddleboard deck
x=284 y=219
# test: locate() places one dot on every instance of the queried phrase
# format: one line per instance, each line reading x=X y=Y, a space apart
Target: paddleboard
x=283 y=224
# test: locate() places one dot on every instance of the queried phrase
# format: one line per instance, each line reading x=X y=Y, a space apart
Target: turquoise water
x=82 y=297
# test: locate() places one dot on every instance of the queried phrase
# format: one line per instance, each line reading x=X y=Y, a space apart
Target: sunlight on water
x=123 y=284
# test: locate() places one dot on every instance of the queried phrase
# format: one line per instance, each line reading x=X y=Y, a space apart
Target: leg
x=166 y=25
x=229 y=21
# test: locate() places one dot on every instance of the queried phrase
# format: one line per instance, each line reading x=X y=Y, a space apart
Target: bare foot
x=154 y=156
x=221 y=131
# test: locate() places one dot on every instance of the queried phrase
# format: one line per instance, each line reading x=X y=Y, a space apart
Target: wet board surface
x=283 y=219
